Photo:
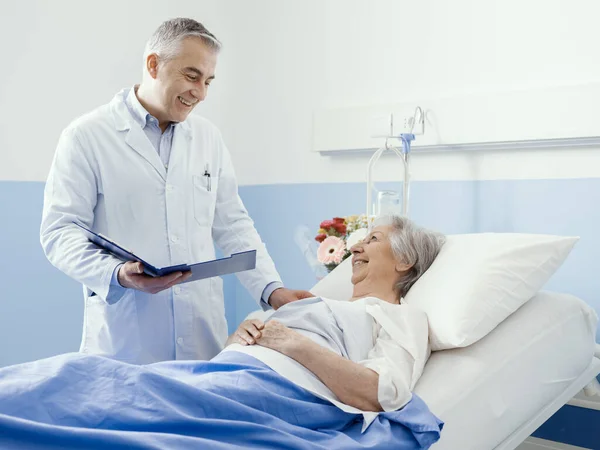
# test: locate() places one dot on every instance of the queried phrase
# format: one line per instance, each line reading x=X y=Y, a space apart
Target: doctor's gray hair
x=167 y=37
x=411 y=245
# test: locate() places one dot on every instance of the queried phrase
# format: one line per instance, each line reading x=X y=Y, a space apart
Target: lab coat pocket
x=112 y=330
x=205 y=198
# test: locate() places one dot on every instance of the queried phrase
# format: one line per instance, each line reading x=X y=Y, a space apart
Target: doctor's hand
x=281 y=296
x=131 y=275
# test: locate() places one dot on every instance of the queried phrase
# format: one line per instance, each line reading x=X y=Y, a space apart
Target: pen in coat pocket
x=207 y=175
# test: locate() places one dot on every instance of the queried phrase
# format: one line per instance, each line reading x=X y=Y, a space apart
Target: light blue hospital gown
x=325 y=325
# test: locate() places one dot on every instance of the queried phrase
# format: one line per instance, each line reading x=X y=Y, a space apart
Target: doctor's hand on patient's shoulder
x=131 y=275
x=247 y=333
x=281 y=296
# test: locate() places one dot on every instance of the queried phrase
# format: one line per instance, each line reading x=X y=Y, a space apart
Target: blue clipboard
x=237 y=262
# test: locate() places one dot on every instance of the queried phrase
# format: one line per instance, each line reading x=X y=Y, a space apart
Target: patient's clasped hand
x=301 y=379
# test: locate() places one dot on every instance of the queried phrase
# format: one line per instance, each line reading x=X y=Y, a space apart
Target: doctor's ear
x=152 y=65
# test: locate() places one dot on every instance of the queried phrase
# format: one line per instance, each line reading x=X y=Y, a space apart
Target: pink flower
x=331 y=250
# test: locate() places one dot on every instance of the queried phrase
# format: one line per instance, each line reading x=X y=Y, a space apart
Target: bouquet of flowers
x=336 y=238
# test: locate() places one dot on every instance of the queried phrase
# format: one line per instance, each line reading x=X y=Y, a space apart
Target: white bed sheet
x=488 y=390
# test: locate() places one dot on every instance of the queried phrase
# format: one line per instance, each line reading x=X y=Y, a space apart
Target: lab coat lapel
x=138 y=141
x=181 y=140
x=135 y=138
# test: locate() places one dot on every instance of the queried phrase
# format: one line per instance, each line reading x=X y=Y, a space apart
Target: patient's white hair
x=411 y=245
x=165 y=41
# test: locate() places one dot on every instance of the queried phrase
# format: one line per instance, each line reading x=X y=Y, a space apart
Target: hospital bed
x=496 y=392
x=493 y=394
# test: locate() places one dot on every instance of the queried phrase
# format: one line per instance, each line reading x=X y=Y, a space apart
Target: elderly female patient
x=318 y=373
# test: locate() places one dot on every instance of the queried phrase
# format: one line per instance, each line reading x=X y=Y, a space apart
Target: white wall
x=63 y=58
x=323 y=54
x=282 y=60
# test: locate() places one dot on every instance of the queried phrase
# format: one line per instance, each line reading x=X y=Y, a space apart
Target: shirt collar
x=139 y=113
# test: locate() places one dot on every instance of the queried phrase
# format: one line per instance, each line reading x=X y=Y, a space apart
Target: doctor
x=146 y=173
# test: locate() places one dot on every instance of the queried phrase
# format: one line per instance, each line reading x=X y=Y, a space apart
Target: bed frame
x=586 y=380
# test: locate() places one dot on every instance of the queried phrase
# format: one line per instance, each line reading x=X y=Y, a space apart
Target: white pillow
x=478 y=280
x=337 y=285
x=475 y=283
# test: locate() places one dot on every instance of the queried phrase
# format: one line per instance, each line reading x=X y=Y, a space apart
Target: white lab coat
x=107 y=175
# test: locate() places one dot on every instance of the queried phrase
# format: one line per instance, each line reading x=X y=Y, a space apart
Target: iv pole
x=404 y=155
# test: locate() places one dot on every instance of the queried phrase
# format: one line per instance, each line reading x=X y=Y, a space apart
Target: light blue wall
x=41 y=309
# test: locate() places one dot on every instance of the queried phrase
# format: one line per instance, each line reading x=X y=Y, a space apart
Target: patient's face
x=373 y=261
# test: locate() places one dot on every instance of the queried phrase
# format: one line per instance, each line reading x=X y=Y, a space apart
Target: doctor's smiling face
x=173 y=86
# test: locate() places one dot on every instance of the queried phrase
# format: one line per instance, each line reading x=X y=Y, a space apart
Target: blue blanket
x=234 y=401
